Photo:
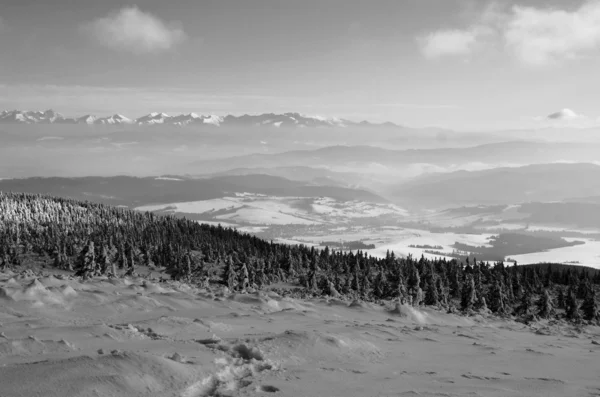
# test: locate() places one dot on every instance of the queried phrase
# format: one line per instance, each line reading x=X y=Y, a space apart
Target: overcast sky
x=452 y=63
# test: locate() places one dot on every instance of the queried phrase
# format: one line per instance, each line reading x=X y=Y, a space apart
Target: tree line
x=96 y=240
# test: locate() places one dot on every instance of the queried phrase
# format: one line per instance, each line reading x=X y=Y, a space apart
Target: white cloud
x=534 y=36
x=564 y=114
x=567 y=118
x=131 y=29
x=541 y=36
x=448 y=42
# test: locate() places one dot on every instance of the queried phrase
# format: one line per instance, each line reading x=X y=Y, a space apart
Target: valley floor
x=132 y=337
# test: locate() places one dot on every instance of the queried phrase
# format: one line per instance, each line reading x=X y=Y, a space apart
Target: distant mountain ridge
x=283 y=120
x=501 y=186
x=343 y=156
x=133 y=191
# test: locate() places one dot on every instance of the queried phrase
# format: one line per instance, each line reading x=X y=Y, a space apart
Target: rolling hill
x=131 y=191
x=540 y=182
x=377 y=159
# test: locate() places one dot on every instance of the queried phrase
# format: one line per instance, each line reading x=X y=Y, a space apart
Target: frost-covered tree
x=545 y=305
x=468 y=295
x=590 y=307
x=86 y=261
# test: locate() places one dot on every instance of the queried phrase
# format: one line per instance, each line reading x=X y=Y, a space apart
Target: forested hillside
x=94 y=240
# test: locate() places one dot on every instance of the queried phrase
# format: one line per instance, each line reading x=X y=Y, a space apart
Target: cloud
x=534 y=36
x=567 y=118
x=542 y=36
x=448 y=42
x=564 y=114
x=131 y=29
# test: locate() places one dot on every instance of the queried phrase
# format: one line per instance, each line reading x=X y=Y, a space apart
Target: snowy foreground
x=131 y=337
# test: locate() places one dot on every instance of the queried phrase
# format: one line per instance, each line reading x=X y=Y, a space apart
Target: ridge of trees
x=93 y=240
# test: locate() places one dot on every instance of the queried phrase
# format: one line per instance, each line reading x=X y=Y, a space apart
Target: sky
x=462 y=64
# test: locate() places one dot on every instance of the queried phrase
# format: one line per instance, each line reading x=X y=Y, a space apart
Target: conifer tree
x=366 y=287
x=561 y=298
x=431 y=295
x=468 y=295
x=131 y=263
x=244 y=278
x=590 y=307
x=442 y=291
x=572 y=308
x=526 y=306
x=497 y=298
x=402 y=293
x=229 y=275
x=57 y=254
x=104 y=261
x=86 y=261
x=545 y=305
x=455 y=286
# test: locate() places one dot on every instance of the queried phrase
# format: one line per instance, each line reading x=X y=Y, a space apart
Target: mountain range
x=133 y=192
x=555 y=182
x=160 y=118
x=370 y=159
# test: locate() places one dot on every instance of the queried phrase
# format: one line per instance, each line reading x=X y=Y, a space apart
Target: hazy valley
x=408 y=188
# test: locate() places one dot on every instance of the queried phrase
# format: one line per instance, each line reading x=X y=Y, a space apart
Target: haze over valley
x=314 y=180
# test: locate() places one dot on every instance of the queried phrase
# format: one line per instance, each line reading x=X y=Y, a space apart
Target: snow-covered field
x=194 y=207
x=584 y=255
x=132 y=337
x=398 y=240
x=246 y=208
x=340 y=221
x=263 y=216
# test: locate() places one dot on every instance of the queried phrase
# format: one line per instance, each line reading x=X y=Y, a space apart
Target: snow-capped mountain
x=87 y=119
x=285 y=120
x=194 y=118
x=114 y=119
x=153 y=118
x=19 y=116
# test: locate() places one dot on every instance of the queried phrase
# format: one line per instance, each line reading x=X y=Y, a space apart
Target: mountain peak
x=274 y=120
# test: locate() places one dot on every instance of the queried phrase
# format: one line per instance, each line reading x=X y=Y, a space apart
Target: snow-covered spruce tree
x=572 y=308
x=431 y=294
x=331 y=290
x=442 y=291
x=468 y=295
x=131 y=261
x=455 y=285
x=545 y=305
x=86 y=261
x=244 y=280
x=261 y=279
x=366 y=287
x=56 y=254
x=561 y=298
x=526 y=306
x=121 y=258
x=229 y=277
x=4 y=261
x=590 y=307
x=402 y=292
x=477 y=278
x=498 y=299
x=104 y=262
x=583 y=289
x=380 y=286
